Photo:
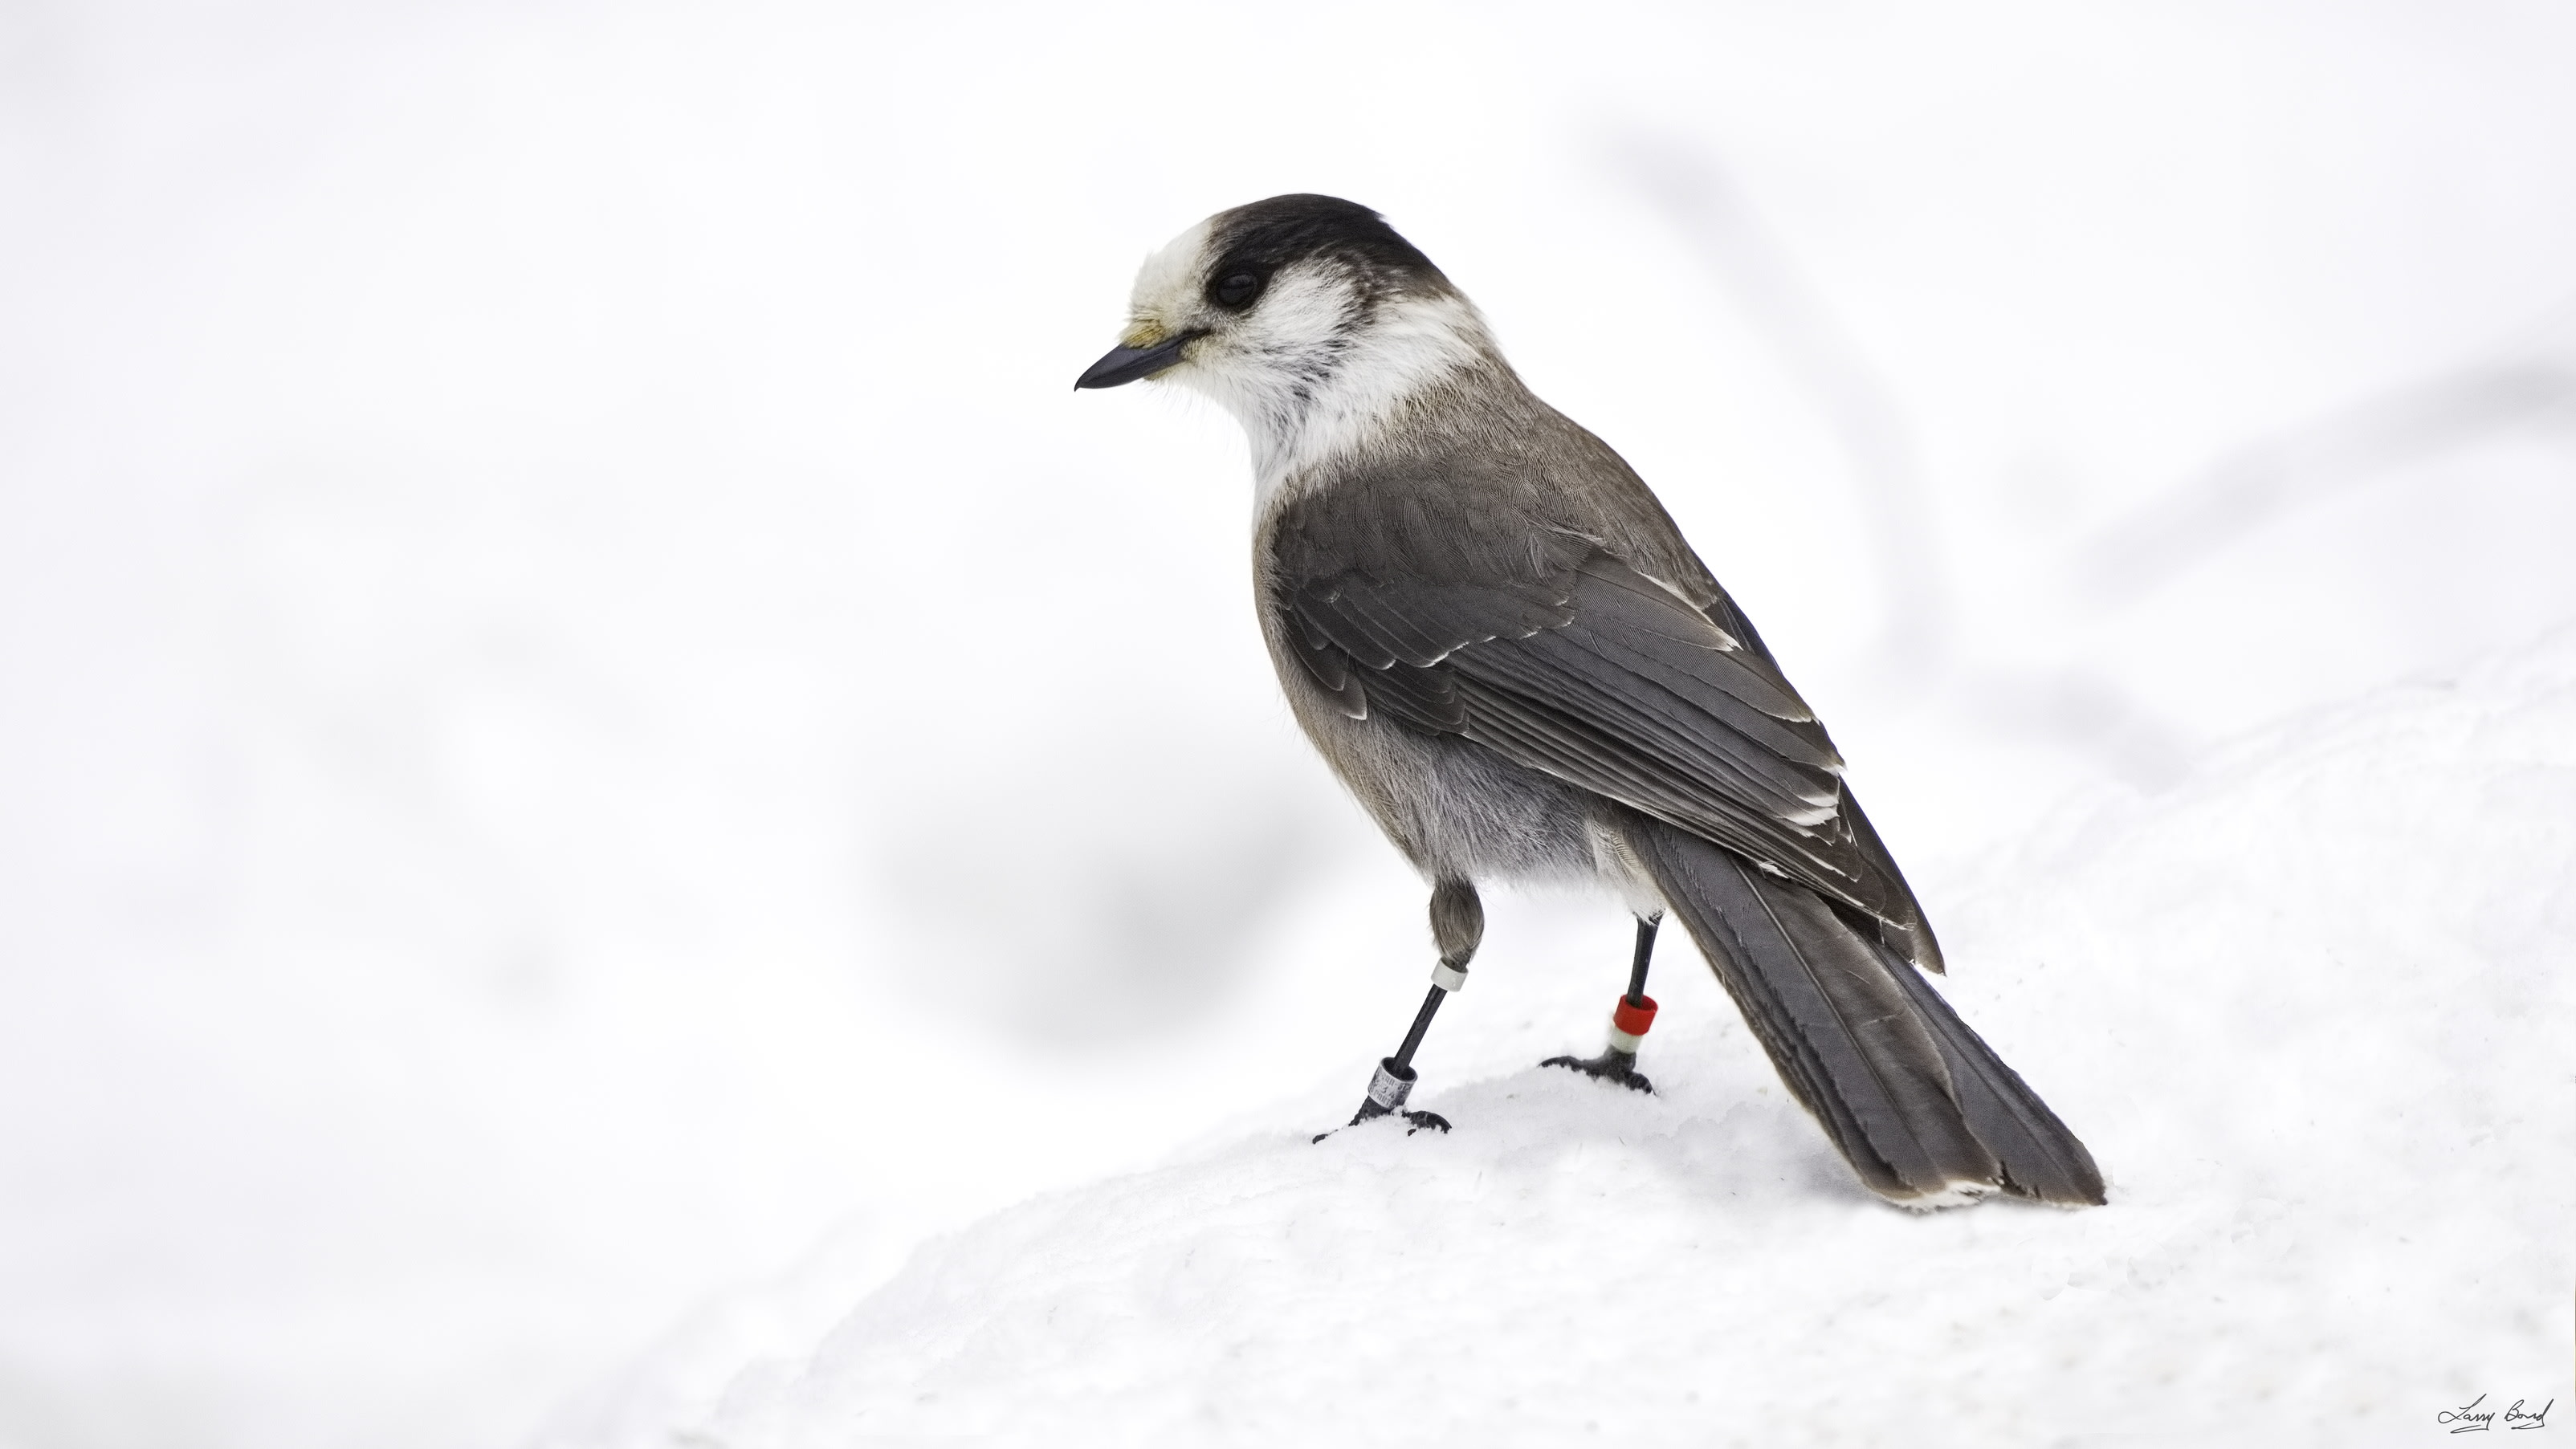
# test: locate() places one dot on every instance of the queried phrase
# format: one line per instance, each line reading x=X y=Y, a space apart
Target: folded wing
x=1583 y=667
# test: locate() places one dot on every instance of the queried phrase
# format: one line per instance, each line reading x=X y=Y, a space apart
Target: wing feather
x=1588 y=669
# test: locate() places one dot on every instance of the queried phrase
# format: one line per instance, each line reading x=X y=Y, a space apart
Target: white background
x=581 y=706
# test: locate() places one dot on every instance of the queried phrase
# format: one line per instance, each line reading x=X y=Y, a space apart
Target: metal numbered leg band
x=1391 y=1085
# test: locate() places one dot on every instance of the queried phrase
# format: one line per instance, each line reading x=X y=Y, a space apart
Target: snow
x=2310 y=1009
x=584 y=711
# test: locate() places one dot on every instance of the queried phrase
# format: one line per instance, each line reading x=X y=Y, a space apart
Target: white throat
x=1298 y=415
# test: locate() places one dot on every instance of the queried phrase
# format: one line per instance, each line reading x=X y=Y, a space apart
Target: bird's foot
x=1419 y=1121
x=1613 y=1065
x=1386 y=1094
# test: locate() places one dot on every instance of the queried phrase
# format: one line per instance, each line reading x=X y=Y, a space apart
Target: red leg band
x=1633 y=1019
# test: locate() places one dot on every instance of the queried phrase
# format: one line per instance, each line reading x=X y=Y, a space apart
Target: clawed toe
x=1415 y=1122
x=1610 y=1066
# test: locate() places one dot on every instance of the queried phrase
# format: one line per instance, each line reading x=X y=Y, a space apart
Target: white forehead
x=1169 y=280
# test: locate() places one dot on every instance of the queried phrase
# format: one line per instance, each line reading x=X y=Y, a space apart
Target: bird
x=1498 y=639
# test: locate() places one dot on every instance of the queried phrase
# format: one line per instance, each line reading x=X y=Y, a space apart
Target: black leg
x=1645 y=957
x=1628 y=1022
x=1458 y=924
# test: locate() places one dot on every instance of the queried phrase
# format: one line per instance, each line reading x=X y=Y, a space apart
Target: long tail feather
x=2041 y=1159
x=1923 y=1110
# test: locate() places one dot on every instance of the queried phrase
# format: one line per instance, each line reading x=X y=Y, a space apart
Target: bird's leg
x=1628 y=1021
x=1458 y=924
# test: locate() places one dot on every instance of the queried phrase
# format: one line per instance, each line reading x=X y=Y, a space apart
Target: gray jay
x=1501 y=643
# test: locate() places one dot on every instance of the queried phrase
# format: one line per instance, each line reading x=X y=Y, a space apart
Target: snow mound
x=2311 y=1010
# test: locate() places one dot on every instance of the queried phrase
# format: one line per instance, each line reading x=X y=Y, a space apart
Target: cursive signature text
x=2469 y=1418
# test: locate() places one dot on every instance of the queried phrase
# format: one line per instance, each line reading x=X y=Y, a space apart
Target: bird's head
x=1307 y=317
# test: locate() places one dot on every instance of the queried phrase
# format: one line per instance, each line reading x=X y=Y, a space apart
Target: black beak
x=1124 y=365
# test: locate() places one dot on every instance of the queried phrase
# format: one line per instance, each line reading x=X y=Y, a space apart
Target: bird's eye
x=1235 y=290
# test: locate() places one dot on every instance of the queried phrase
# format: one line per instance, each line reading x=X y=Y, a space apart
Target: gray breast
x=1456 y=809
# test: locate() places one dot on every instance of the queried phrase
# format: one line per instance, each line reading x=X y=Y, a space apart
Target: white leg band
x=1625 y=1041
x=1448 y=977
